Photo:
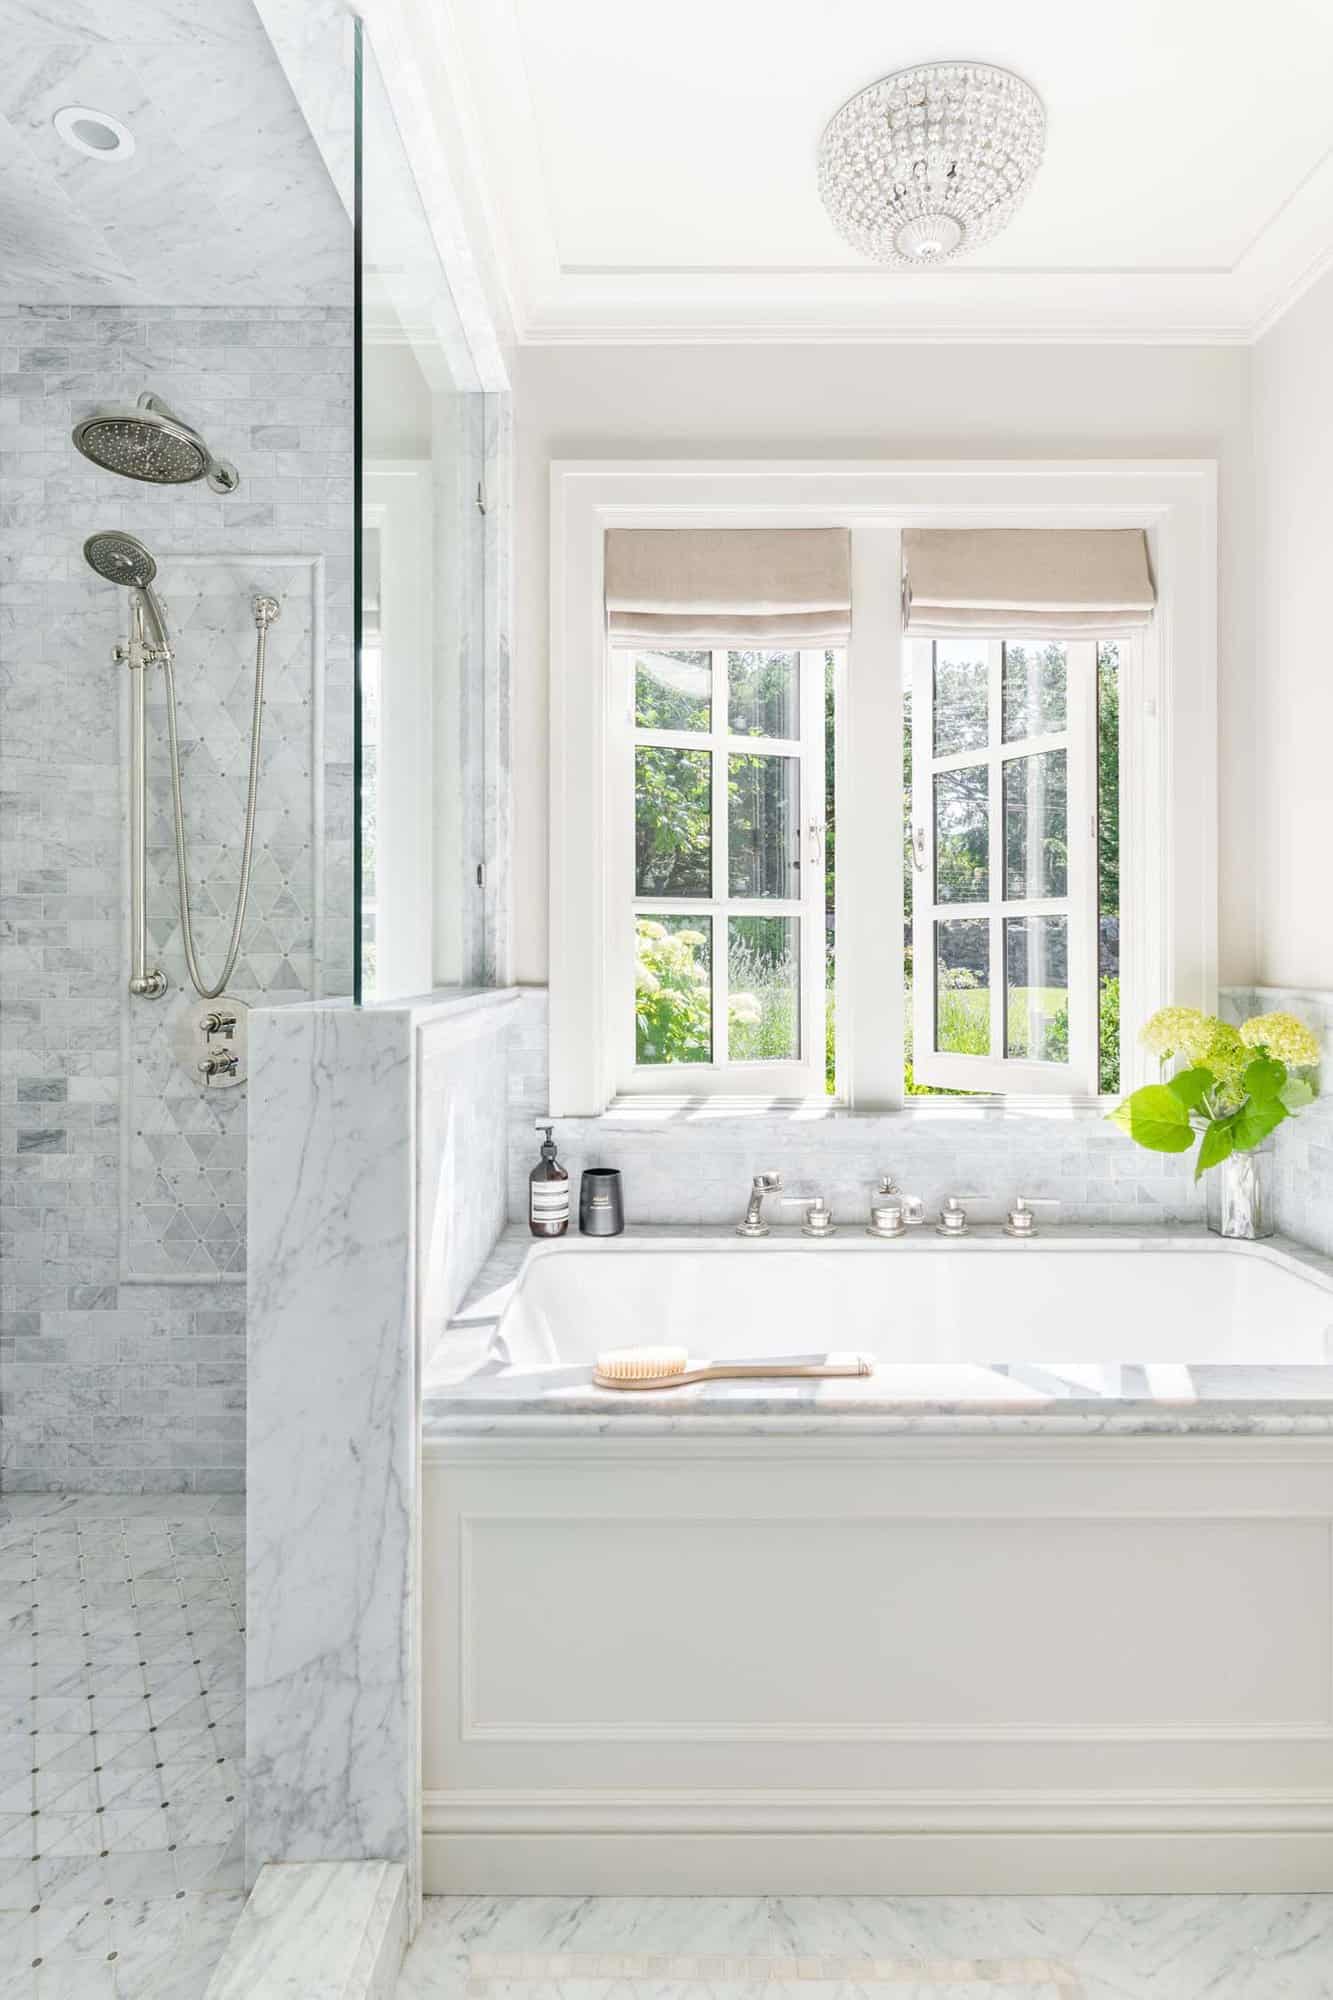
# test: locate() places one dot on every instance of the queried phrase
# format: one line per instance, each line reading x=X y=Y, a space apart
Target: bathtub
x=920 y=1300
x=1045 y=1604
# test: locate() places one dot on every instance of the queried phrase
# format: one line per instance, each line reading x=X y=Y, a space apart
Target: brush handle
x=737 y=1371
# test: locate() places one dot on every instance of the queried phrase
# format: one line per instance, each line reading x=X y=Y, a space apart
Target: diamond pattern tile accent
x=121 y=1762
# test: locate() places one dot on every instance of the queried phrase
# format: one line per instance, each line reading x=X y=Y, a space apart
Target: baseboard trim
x=1083 y=1843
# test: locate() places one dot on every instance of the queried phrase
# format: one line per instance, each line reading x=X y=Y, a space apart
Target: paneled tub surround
x=1044 y=1605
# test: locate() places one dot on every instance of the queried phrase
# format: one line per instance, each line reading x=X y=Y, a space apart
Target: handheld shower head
x=150 y=442
x=119 y=558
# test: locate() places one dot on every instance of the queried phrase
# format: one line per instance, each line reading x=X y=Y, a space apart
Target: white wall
x=869 y=401
x=1293 y=408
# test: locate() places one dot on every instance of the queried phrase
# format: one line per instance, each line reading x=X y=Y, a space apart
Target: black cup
x=601 y=1206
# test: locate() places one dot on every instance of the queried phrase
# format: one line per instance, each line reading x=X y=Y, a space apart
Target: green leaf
x=1191 y=1086
x=1155 y=1117
x=1264 y=1078
x=1256 y=1121
x=1296 y=1093
x=1217 y=1142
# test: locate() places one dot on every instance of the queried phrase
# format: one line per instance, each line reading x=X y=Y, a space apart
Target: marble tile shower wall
x=1304 y=1145
x=122 y=1336
x=683 y=1166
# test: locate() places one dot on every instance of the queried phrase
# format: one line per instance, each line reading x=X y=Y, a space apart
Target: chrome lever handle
x=818 y=1214
x=953 y=1216
x=1022 y=1223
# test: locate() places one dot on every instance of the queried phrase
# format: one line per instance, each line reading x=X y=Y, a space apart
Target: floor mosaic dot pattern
x=122 y=1676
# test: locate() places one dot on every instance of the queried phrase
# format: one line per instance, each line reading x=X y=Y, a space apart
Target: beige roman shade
x=714 y=586
x=1035 y=581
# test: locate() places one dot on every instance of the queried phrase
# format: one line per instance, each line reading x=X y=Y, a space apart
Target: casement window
x=1005 y=808
x=1004 y=860
x=718 y=788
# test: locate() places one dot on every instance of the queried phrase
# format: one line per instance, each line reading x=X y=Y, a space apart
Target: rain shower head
x=150 y=442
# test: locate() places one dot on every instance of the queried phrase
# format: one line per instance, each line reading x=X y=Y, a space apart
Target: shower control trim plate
x=210 y=1040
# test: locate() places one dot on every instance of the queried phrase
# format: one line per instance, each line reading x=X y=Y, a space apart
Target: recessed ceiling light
x=95 y=133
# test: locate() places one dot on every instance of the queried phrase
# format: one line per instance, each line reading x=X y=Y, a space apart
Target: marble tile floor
x=873 y=1948
x=121 y=1743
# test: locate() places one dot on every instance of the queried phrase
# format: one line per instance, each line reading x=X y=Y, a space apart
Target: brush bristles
x=631 y=1364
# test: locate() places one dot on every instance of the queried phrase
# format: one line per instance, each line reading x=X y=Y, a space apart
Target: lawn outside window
x=1056 y=881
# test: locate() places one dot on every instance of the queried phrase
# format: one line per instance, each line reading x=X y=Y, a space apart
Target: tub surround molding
x=339 y=1191
x=870 y=1744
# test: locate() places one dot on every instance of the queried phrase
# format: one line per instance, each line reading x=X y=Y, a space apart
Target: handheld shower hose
x=119 y=558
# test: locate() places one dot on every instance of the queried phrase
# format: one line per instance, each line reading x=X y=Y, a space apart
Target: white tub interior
x=922 y=1302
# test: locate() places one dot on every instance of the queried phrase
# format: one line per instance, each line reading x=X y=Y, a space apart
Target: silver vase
x=1240 y=1194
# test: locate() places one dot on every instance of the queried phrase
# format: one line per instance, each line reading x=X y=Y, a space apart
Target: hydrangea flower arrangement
x=1237 y=1084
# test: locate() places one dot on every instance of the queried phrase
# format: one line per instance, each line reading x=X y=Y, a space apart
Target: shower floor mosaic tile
x=121 y=1744
x=872 y=1948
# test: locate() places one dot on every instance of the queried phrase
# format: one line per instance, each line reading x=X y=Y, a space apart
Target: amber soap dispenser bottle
x=548 y=1191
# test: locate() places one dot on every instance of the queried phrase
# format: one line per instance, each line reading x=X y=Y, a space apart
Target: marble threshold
x=323 y=1930
x=469 y=1390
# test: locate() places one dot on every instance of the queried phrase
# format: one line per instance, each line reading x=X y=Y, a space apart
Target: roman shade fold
x=720 y=586
x=1039 y=582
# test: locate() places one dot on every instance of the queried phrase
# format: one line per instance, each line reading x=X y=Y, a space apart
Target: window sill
x=658 y=1110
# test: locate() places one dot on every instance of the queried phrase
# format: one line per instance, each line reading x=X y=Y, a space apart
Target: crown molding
x=553 y=303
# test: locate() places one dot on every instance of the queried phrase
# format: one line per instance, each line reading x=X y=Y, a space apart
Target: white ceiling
x=649 y=170
x=224 y=201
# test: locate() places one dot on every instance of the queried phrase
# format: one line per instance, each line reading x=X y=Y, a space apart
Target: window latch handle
x=919 y=849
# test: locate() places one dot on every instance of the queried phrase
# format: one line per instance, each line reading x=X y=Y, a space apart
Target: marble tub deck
x=467 y=1391
x=861 y=1948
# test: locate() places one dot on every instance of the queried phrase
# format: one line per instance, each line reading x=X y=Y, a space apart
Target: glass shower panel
x=422 y=700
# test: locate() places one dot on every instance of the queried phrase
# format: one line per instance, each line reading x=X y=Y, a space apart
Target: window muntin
x=1004 y=852
x=723 y=763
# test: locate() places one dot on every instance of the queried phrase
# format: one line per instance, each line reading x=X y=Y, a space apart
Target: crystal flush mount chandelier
x=929 y=162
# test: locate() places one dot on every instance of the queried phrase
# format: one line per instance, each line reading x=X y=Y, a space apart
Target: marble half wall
x=376 y=1189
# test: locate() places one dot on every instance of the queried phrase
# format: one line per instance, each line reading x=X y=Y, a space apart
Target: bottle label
x=550 y=1201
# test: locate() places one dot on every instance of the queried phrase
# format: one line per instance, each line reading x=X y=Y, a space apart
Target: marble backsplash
x=122 y=1311
x=695 y=1164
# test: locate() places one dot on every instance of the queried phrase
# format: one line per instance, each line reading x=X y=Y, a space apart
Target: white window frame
x=1168 y=739
x=804 y=1075
x=998 y=1072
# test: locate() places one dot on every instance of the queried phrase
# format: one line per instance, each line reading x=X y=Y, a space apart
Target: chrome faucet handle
x=754 y=1224
x=894 y=1212
x=1022 y=1222
x=818 y=1214
x=953 y=1216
